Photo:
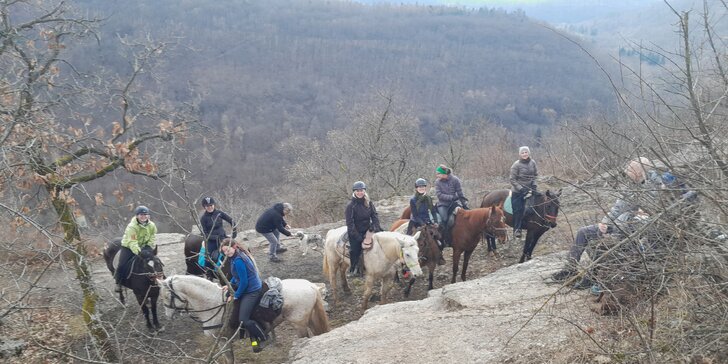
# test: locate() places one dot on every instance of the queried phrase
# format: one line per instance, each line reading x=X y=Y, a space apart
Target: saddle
x=343 y=245
x=269 y=307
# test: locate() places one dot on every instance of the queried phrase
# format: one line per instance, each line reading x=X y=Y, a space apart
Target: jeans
x=248 y=302
x=518 y=203
x=584 y=235
x=273 y=240
x=125 y=257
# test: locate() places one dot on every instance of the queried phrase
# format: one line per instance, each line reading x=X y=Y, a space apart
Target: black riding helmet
x=207 y=201
x=359 y=185
x=141 y=209
x=421 y=182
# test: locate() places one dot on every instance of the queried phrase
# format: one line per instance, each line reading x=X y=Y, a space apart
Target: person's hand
x=230 y=298
x=602 y=228
x=224 y=288
x=528 y=194
x=288 y=227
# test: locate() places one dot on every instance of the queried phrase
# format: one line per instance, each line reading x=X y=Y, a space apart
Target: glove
x=134 y=247
x=523 y=190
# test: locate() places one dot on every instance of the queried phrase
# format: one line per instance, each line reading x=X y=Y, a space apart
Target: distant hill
x=266 y=70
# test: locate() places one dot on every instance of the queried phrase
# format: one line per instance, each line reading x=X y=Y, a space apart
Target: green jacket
x=137 y=236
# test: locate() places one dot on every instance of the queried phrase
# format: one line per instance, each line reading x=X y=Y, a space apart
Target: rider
x=449 y=191
x=423 y=212
x=624 y=212
x=213 y=233
x=361 y=216
x=141 y=232
x=248 y=290
x=523 y=182
x=271 y=224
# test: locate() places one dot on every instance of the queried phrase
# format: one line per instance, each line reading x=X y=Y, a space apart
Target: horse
x=469 y=226
x=192 y=246
x=205 y=301
x=429 y=250
x=379 y=261
x=540 y=219
x=145 y=270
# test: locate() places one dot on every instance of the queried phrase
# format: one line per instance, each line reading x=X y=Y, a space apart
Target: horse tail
x=319 y=321
x=326 y=264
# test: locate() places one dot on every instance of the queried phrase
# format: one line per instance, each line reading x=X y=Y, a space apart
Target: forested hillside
x=263 y=71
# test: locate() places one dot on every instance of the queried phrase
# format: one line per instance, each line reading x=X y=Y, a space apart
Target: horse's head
x=167 y=299
x=549 y=206
x=496 y=223
x=410 y=253
x=153 y=266
x=427 y=241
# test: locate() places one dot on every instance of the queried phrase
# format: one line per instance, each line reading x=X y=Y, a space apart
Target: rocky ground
x=476 y=321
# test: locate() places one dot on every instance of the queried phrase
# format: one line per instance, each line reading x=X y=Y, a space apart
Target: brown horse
x=430 y=252
x=537 y=221
x=467 y=231
x=192 y=250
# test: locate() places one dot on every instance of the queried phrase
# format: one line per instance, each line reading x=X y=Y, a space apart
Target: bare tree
x=51 y=144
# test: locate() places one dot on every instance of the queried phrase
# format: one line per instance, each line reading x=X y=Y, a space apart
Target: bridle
x=152 y=276
x=545 y=217
x=186 y=309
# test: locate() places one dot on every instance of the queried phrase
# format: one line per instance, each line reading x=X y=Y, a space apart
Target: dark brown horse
x=537 y=220
x=192 y=250
x=467 y=231
x=430 y=252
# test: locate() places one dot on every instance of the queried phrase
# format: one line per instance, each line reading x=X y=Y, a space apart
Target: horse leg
x=466 y=259
x=532 y=242
x=387 y=284
x=431 y=269
x=345 y=282
x=367 y=293
x=332 y=282
x=455 y=261
x=409 y=287
x=155 y=320
x=142 y=299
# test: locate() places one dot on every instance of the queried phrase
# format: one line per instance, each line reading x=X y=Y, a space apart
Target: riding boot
x=118 y=288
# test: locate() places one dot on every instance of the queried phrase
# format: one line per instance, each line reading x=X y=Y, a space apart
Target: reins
x=221 y=307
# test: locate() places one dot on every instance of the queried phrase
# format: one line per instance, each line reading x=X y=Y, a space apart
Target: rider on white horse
x=248 y=290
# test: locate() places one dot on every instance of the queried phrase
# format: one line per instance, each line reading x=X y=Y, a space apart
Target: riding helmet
x=207 y=201
x=141 y=209
x=421 y=182
x=359 y=185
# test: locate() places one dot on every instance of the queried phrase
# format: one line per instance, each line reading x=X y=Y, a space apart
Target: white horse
x=303 y=305
x=388 y=248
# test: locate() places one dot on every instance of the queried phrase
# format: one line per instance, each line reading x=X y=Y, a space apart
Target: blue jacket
x=245 y=277
x=272 y=220
x=422 y=215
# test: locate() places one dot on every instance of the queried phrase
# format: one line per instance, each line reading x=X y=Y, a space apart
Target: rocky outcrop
x=509 y=316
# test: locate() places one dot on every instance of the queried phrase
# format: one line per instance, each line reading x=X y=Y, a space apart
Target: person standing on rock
x=140 y=233
x=523 y=186
x=213 y=233
x=271 y=224
x=361 y=216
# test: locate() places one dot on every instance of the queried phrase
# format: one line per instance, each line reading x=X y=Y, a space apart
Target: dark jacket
x=272 y=220
x=245 y=277
x=421 y=214
x=448 y=190
x=212 y=225
x=523 y=175
x=360 y=218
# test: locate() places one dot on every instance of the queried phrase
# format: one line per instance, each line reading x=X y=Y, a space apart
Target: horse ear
x=417 y=235
x=160 y=282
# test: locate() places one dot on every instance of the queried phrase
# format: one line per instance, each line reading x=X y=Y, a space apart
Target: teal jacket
x=137 y=236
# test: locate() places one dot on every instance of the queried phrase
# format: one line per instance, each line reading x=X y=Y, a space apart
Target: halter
x=402 y=262
x=222 y=307
x=545 y=217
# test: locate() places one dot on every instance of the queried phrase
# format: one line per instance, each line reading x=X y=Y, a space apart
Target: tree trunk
x=72 y=238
